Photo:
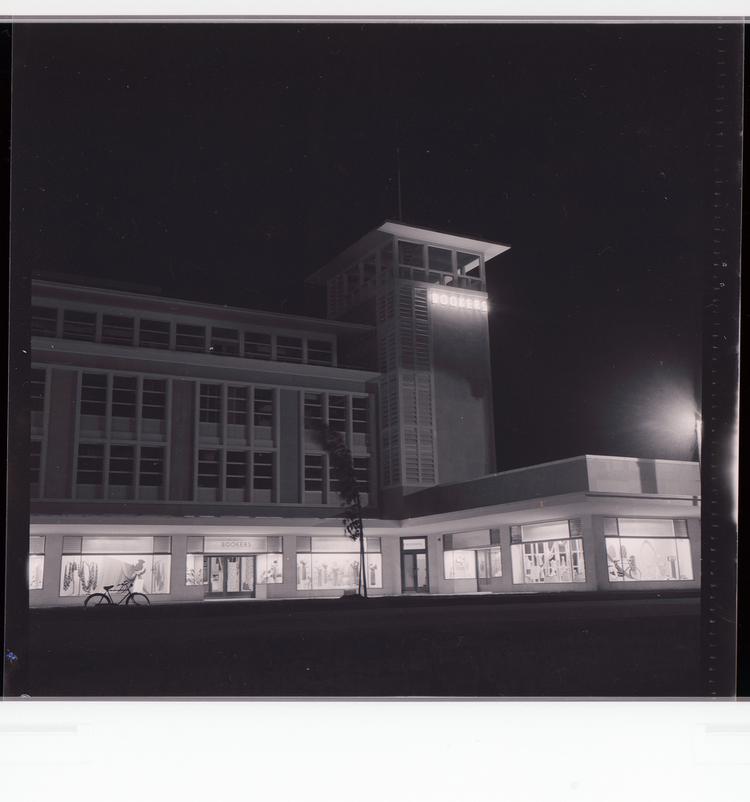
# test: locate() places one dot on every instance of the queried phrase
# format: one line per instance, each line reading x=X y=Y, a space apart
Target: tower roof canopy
x=391 y=228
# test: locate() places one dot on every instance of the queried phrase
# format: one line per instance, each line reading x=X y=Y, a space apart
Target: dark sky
x=226 y=162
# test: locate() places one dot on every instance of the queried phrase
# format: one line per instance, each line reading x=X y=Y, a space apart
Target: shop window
x=471 y=555
x=190 y=338
x=79 y=325
x=257 y=345
x=647 y=550
x=196 y=569
x=333 y=563
x=100 y=561
x=36 y=562
x=360 y=415
x=43 y=321
x=210 y=403
x=550 y=552
x=225 y=342
x=118 y=330
x=153 y=334
x=289 y=349
x=263 y=408
x=319 y=352
x=313 y=412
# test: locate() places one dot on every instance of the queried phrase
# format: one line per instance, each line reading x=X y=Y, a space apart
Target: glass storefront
x=333 y=563
x=647 y=550
x=472 y=555
x=547 y=553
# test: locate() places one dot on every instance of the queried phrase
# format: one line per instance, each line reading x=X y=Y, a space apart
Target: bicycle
x=125 y=587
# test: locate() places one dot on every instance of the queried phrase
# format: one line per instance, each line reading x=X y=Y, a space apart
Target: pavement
x=469 y=647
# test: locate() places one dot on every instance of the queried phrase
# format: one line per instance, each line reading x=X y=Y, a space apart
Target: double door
x=231 y=575
x=414 y=574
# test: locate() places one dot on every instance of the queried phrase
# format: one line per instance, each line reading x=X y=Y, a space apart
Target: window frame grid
x=109 y=437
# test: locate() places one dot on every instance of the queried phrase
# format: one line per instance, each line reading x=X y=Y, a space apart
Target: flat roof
x=392 y=228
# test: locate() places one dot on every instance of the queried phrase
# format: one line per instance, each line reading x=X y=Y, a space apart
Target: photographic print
x=368 y=359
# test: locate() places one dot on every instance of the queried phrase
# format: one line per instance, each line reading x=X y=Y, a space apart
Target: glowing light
x=458 y=301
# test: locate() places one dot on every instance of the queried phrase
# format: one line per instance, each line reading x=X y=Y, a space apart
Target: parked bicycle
x=126 y=588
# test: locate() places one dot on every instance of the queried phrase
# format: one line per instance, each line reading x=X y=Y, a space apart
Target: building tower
x=425 y=291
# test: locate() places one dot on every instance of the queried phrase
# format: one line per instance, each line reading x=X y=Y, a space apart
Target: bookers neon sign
x=457 y=301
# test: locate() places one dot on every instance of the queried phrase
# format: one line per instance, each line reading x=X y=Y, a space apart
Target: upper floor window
x=210 y=403
x=289 y=349
x=43 y=321
x=313 y=411
x=118 y=330
x=224 y=341
x=237 y=406
x=410 y=254
x=263 y=407
x=319 y=352
x=360 y=415
x=190 y=338
x=124 y=396
x=154 y=405
x=37 y=384
x=257 y=345
x=154 y=334
x=94 y=394
x=337 y=412
x=79 y=325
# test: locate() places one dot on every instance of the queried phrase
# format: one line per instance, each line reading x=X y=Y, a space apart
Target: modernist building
x=179 y=442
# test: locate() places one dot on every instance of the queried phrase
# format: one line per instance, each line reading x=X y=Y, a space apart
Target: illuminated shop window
x=118 y=330
x=190 y=338
x=471 y=555
x=90 y=563
x=257 y=345
x=225 y=342
x=79 y=325
x=153 y=334
x=36 y=562
x=647 y=550
x=43 y=321
x=332 y=563
x=550 y=552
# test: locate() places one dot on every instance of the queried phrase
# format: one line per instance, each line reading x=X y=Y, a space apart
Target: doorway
x=414 y=573
x=231 y=575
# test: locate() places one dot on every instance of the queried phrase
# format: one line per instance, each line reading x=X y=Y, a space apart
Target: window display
x=484 y=563
x=333 y=563
x=631 y=559
x=36 y=562
x=546 y=552
x=110 y=561
x=196 y=569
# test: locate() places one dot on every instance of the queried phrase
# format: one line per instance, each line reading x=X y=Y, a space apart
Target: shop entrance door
x=231 y=575
x=484 y=570
x=414 y=576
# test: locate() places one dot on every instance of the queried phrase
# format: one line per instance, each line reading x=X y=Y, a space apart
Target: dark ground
x=473 y=646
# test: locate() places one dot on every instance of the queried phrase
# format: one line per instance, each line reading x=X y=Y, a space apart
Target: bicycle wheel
x=139 y=599
x=96 y=600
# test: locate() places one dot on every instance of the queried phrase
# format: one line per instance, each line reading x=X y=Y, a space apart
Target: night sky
x=227 y=162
